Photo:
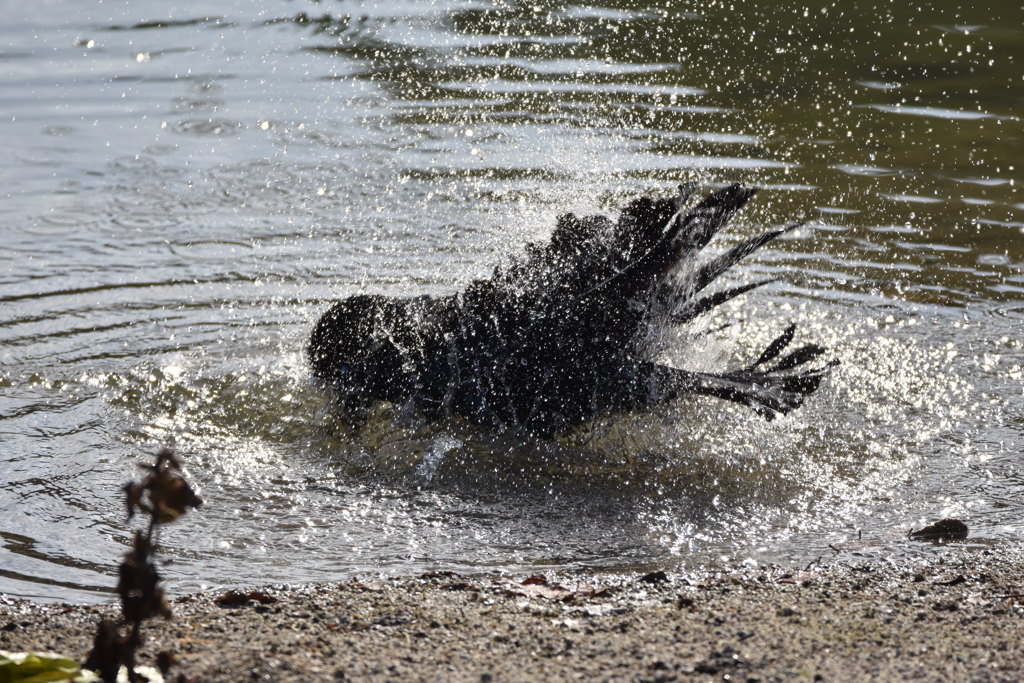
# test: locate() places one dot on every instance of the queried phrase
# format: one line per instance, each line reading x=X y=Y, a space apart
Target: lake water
x=185 y=187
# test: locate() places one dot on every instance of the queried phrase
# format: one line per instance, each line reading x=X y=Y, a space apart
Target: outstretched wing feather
x=716 y=266
x=682 y=235
x=693 y=310
x=776 y=347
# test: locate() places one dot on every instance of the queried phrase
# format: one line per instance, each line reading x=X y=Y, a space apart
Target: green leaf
x=35 y=667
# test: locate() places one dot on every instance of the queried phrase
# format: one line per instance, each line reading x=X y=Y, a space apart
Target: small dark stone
x=787 y=612
x=486 y=678
x=944 y=529
x=10 y=626
x=654 y=577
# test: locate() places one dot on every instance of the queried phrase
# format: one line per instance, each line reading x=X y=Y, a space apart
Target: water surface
x=186 y=187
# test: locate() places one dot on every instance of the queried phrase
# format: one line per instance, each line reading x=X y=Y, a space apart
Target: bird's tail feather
x=771 y=391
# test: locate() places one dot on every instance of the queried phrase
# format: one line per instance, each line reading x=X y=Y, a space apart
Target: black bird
x=564 y=332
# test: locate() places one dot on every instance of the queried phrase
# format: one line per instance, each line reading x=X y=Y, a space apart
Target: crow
x=565 y=331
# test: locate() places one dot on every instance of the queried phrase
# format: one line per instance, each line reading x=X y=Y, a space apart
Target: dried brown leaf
x=241 y=598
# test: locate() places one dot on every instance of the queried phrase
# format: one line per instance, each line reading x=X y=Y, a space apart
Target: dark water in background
x=183 y=188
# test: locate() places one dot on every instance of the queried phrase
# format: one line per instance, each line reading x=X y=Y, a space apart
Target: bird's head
x=363 y=347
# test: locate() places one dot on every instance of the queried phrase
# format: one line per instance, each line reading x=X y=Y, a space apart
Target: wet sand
x=957 y=617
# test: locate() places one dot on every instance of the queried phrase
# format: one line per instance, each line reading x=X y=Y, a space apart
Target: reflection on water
x=186 y=191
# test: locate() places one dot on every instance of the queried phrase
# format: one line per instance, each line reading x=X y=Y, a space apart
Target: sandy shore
x=959 y=617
